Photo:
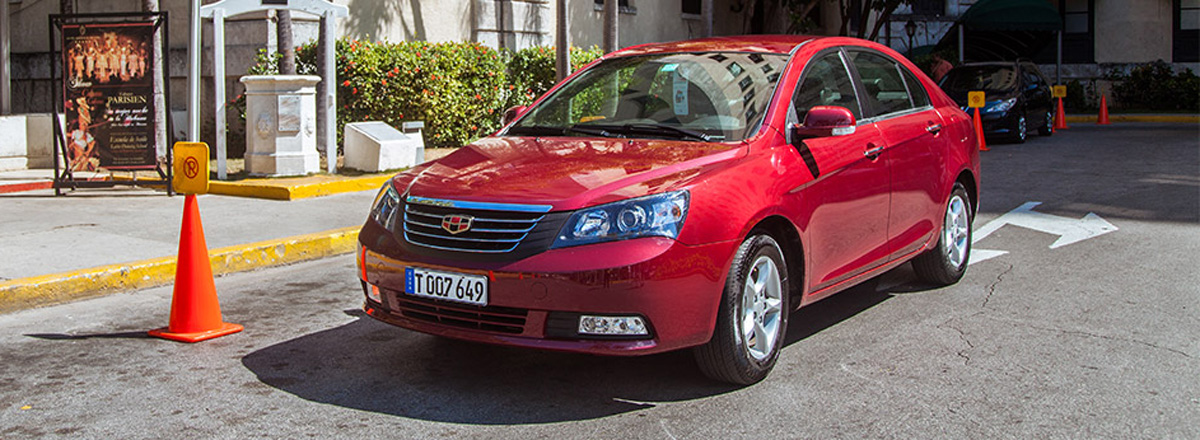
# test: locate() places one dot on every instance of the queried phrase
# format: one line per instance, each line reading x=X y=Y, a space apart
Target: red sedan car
x=678 y=195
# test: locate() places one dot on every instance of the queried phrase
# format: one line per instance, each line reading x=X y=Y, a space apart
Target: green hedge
x=1156 y=87
x=458 y=89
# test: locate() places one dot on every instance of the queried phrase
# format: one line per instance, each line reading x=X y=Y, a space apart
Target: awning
x=1004 y=30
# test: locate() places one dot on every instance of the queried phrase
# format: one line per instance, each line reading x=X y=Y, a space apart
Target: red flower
x=355 y=91
x=478 y=97
x=346 y=83
x=390 y=74
x=385 y=83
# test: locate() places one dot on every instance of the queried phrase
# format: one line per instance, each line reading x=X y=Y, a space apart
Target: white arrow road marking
x=1068 y=230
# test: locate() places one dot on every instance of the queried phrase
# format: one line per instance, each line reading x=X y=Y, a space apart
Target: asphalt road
x=1095 y=339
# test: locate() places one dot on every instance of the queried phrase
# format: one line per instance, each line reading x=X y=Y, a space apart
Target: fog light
x=373 y=293
x=612 y=325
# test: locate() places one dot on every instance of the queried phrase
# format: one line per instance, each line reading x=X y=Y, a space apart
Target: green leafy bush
x=456 y=88
x=532 y=72
x=1155 y=86
x=1081 y=97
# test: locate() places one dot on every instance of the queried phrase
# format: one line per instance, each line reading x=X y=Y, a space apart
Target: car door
x=843 y=206
x=1040 y=100
x=912 y=130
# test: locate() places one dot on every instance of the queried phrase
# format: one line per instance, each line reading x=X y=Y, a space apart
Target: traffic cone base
x=225 y=329
x=195 y=311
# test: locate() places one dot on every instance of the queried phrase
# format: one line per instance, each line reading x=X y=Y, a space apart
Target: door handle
x=873 y=152
x=934 y=129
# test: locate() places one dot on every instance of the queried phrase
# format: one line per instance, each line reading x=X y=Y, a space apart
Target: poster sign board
x=104 y=92
x=1059 y=91
x=108 y=90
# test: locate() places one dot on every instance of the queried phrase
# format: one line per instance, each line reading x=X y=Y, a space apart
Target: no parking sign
x=191 y=167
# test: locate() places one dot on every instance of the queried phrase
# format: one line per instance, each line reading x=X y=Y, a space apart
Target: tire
x=755 y=301
x=1048 y=129
x=1022 y=129
x=946 y=263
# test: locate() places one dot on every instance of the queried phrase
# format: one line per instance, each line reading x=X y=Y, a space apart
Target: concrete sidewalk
x=97 y=241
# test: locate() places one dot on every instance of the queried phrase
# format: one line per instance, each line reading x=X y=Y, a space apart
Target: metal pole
x=5 y=73
x=219 y=88
x=562 y=43
x=194 y=49
x=1058 y=62
x=327 y=93
x=960 y=43
x=706 y=17
x=611 y=42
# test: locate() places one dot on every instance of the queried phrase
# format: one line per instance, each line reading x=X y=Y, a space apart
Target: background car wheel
x=1048 y=128
x=1022 y=132
x=945 y=263
x=752 y=319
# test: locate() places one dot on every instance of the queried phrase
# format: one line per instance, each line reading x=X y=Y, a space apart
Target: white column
x=5 y=73
x=327 y=108
x=194 y=50
x=219 y=89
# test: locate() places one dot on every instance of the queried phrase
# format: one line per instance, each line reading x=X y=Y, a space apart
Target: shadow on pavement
x=371 y=366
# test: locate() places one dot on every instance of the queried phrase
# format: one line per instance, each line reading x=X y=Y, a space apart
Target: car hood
x=566 y=173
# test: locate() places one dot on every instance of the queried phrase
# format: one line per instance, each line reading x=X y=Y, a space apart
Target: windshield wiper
x=544 y=130
x=661 y=128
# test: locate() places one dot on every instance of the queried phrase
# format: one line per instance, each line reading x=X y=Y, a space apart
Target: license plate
x=447 y=286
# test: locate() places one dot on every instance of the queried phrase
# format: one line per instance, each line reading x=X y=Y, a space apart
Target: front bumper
x=536 y=301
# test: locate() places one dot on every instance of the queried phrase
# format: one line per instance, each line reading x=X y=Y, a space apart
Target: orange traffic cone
x=195 y=312
x=1103 y=118
x=979 y=131
x=1060 y=118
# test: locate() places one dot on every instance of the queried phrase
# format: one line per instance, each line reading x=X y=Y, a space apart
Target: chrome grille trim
x=501 y=226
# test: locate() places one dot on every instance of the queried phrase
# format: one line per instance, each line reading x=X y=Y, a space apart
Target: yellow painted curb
x=1184 y=119
x=56 y=288
x=291 y=189
x=298 y=188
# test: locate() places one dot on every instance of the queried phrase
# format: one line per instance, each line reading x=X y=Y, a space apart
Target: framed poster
x=105 y=75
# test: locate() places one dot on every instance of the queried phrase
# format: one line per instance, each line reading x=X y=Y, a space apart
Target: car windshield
x=985 y=78
x=702 y=96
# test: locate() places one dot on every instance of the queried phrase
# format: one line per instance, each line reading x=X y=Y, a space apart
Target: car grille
x=494 y=228
x=488 y=318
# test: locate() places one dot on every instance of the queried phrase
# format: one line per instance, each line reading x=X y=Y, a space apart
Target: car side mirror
x=512 y=114
x=824 y=121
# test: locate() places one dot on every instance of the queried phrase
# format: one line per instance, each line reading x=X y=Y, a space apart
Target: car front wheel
x=753 y=314
x=947 y=261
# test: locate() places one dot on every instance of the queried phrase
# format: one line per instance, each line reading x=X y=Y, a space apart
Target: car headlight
x=660 y=215
x=1001 y=105
x=383 y=211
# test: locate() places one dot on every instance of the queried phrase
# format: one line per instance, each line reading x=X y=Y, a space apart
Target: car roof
x=781 y=44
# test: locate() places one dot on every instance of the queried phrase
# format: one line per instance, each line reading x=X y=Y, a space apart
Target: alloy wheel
x=956 y=231
x=762 y=308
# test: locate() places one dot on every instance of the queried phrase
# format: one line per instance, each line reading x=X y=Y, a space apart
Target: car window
x=988 y=78
x=885 y=89
x=1033 y=75
x=826 y=82
x=916 y=90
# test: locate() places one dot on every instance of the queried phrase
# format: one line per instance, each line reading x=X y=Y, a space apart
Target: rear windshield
x=985 y=78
